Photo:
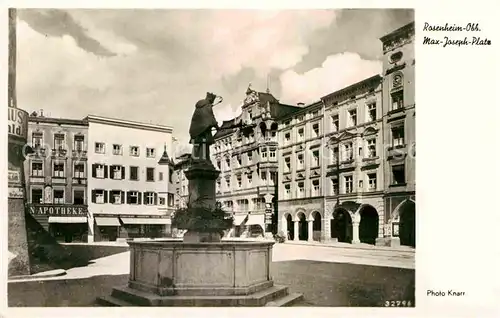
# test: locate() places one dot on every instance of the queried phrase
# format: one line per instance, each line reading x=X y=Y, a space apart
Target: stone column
x=296 y=230
x=355 y=233
x=202 y=175
x=310 y=231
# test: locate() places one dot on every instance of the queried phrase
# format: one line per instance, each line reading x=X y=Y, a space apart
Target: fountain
x=202 y=269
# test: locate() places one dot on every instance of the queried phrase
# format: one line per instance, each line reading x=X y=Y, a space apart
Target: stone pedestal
x=388 y=241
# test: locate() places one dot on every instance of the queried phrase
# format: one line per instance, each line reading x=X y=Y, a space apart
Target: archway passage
x=341 y=226
x=290 y=228
x=303 y=235
x=407 y=223
x=316 y=226
x=368 y=225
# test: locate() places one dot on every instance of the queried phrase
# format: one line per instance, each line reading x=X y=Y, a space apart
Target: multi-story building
x=347 y=162
x=181 y=182
x=130 y=183
x=248 y=161
x=315 y=186
x=56 y=176
x=399 y=133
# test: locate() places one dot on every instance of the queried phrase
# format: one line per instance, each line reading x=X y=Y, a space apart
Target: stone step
x=289 y=300
x=125 y=296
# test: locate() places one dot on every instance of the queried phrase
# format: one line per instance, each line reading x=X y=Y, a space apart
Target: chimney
x=300 y=104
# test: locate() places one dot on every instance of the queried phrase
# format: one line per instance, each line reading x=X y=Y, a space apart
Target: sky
x=154 y=65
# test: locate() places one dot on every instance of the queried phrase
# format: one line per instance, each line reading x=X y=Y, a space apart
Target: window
x=335 y=154
x=287 y=137
x=348 y=184
x=161 y=200
x=218 y=185
x=335 y=122
x=315 y=184
x=249 y=156
x=228 y=164
x=249 y=178
x=117 y=150
x=117 y=197
x=287 y=191
x=100 y=171
x=301 y=134
x=134 y=151
x=398 y=174
x=118 y=172
x=150 y=174
x=300 y=118
x=59 y=196
x=99 y=147
x=397 y=100
x=218 y=164
x=78 y=143
x=37 y=140
x=349 y=155
x=228 y=184
x=238 y=180
x=133 y=197
x=59 y=141
x=372 y=111
x=353 y=120
x=263 y=175
x=134 y=173
x=59 y=170
x=300 y=161
x=170 y=175
x=273 y=176
x=398 y=136
x=37 y=169
x=99 y=196
x=160 y=176
x=315 y=113
x=334 y=186
x=78 y=197
x=79 y=170
x=286 y=123
x=372 y=148
x=170 y=199
x=150 y=152
x=300 y=188
x=315 y=128
x=36 y=196
x=238 y=159
x=272 y=153
x=372 y=181
x=315 y=155
x=287 y=164
x=264 y=152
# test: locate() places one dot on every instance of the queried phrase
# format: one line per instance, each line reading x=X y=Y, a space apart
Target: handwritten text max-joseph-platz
x=451 y=41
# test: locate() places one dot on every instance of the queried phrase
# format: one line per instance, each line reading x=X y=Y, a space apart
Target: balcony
x=370 y=161
x=37 y=179
x=60 y=152
x=39 y=151
x=79 y=181
x=396 y=113
x=396 y=152
x=58 y=180
x=79 y=154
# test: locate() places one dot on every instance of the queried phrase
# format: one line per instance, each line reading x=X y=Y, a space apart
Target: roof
x=128 y=123
x=374 y=80
x=410 y=27
x=300 y=110
x=59 y=121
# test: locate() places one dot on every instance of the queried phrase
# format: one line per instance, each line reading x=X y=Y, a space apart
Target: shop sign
x=18 y=123
x=58 y=210
x=16 y=193
x=14 y=176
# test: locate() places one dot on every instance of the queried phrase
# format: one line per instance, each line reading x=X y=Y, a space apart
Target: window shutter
x=93 y=196
x=123 y=196
x=144 y=197
x=105 y=171
x=123 y=172
x=105 y=196
x=156 y=198
x=139 y=197
x=94 y=168
x=128 y=197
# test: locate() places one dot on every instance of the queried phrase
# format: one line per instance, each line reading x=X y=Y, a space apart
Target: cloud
x=336 y=72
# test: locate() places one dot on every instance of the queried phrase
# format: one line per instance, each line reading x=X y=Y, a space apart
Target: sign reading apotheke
x=58 y=209
x=18 y=123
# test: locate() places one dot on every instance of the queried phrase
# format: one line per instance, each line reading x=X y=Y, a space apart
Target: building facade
x=248 y=161
x=56 y=176
x=316 y=186
x=130 y=180
x=181 y=182
x=347 y=162
x=399 y=132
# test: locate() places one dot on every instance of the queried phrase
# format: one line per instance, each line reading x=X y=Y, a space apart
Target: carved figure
x=202 y=122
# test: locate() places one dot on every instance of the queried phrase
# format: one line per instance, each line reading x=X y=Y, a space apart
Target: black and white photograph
x=210 y=157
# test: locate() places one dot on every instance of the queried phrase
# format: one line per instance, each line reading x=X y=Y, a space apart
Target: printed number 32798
x=398 y=303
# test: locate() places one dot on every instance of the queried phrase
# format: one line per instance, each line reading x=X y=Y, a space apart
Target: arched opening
x=256 y=230
x=341 y=226
x=407 y=223
x=316 y=226
x=368 y=225
x=274 y=129
x=303 y=235
x=290 y=230
x=263 y=129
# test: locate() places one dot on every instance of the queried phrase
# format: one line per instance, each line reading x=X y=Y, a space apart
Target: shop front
x=66 y=223
x=114 y=227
